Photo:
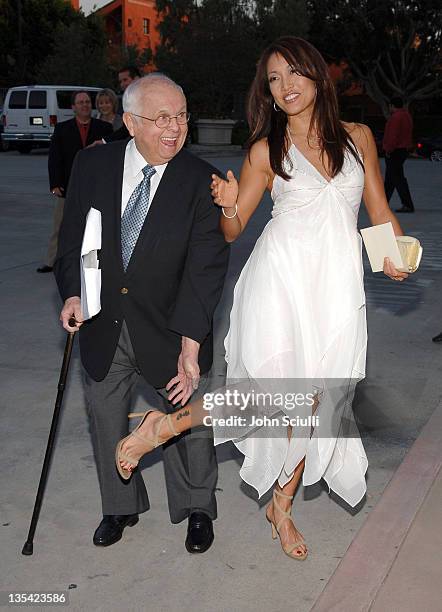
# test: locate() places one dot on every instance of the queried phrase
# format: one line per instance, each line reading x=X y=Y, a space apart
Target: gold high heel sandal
x=151 y=442
x=275 y=528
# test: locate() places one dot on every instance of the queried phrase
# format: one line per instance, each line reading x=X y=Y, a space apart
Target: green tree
x=392 y=46
x=79 y=54
x=133 y=56
x=276 y=18
x=27 y=36
x=208 y=48
x=211 y=47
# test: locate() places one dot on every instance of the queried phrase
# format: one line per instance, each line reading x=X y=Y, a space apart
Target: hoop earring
x=275 y=107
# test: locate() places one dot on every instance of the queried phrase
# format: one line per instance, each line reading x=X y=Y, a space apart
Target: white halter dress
x=299 y=313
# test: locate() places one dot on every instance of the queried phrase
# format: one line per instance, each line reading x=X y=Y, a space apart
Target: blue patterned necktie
x=134 y=215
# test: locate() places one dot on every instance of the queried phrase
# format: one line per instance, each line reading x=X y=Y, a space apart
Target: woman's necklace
x=308 y=139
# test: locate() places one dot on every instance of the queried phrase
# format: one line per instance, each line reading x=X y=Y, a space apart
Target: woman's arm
x=239 y=202
x=374 y=194
x=375 y=201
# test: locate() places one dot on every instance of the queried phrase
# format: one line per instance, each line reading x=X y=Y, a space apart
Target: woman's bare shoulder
x=362 y=137
x=257 y=161
x=259 y=154
x=360 y=133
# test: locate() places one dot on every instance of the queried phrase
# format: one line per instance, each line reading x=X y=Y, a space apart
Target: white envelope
x=380 y=242
x=89 y=265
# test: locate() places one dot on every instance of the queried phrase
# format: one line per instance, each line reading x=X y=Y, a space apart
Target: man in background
x=69 y=137
x=126 y=76
x=398 y=139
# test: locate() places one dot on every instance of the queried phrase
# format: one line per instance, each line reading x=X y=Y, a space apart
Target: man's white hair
x=138 y=89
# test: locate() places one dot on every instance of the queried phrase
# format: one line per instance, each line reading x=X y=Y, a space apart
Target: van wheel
x=24 y=149
x=4 y=146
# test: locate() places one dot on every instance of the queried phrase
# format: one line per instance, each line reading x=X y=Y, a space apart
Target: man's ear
x=129 y=123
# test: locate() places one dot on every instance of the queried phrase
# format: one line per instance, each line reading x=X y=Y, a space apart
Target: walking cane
x=28 y=548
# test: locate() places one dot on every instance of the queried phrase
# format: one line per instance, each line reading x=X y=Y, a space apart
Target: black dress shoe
x=199 y=533
x=404 y=209
x=438 y=338
x=110 y=530
x=45 y=269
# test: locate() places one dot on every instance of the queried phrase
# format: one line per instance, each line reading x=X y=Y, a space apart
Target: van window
x=37 y=99
x=93 y=95
x=64 y=99
x=17 y=99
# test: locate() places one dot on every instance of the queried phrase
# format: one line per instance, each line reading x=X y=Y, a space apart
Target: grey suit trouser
x=189 y=460
x=53 y=238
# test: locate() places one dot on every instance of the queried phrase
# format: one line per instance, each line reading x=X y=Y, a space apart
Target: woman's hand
x=224 y=193
x=391 y=271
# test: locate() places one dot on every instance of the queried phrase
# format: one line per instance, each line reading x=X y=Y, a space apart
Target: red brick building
x=131 y=23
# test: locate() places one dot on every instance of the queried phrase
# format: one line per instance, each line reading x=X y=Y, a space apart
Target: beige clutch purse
x=404 y=251
x=411 y=253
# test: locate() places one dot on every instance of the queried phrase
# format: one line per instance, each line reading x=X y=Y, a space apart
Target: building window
x=129 y=23
x=146 y=26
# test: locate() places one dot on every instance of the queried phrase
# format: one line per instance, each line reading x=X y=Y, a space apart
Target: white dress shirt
x=134 y=163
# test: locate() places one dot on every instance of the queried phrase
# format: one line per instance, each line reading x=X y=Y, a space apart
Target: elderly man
x=69 y=137
x=163 y=260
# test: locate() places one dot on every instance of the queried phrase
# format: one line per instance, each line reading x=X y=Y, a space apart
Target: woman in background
x=106 y=103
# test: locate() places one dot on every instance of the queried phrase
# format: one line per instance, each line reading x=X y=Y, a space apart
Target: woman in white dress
x=299 y=305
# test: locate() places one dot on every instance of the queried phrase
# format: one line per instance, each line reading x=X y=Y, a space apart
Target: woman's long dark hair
x=266 y=122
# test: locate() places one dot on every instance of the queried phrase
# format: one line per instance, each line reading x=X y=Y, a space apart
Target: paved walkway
x=150 y=569
x=394 y=563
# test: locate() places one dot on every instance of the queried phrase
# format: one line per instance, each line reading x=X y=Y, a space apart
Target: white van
x=31 y=112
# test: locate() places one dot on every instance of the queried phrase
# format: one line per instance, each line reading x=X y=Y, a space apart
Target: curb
x=356 y=581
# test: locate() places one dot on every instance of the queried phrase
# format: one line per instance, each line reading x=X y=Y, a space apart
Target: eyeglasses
x=163 y=121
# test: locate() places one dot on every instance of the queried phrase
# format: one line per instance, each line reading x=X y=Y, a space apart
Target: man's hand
x=187 y=379
x=57 y=191
x=96 y=143
x=72 y=309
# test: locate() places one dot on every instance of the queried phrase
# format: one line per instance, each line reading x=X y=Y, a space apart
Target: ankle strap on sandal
x=136 y=415
x=276 y=492
x=171 y=427
x=168 y=417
